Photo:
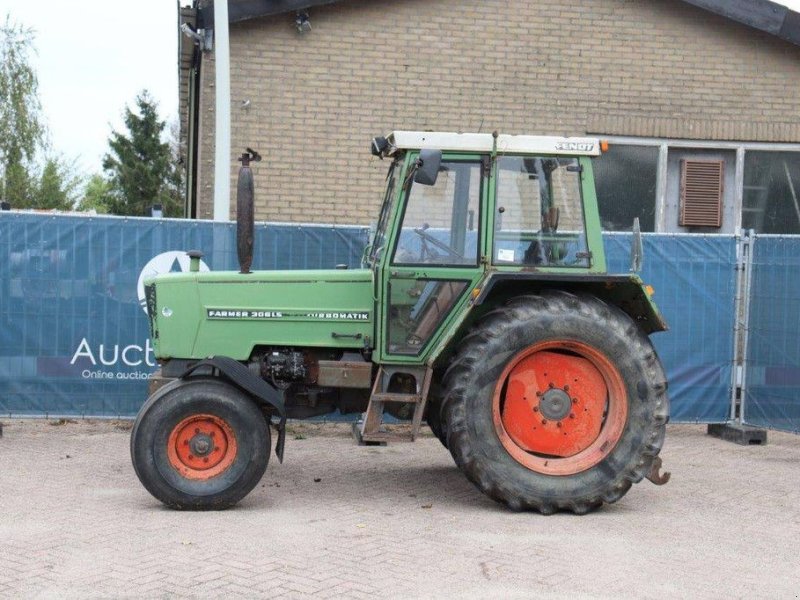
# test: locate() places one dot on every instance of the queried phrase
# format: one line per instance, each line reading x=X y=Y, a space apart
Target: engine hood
x=201 y=314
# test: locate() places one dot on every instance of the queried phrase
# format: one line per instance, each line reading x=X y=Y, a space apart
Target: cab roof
x=485 y=142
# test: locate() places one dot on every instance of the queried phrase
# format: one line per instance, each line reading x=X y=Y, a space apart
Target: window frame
x=405 y=194
x=665 y=144
x=589 y=260
x=426 y=343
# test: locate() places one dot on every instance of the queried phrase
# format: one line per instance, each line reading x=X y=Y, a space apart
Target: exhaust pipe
x=245 y=217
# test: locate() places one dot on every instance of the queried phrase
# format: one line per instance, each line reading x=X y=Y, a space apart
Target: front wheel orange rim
x=560 y=407
x=201 y=447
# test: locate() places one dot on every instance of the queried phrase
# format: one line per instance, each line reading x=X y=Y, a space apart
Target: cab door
x=435 y=258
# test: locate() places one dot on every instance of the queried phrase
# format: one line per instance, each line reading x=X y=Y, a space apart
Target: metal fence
x=770 y=387
x=694 y=278
x=73 y=334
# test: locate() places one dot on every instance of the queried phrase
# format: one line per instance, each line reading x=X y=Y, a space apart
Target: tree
x=21 y=129
x=142 y=169
x=57 y=187
x=96 y=195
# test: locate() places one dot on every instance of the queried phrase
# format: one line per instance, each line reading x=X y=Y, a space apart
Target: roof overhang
x=244 y=10
x=764 y=15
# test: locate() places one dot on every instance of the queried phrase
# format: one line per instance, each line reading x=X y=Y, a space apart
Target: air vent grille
x=701 y=193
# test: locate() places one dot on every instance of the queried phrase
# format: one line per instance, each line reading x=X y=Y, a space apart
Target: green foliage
x=96 y=195
x=54 y=187
x=18 y=185
x=57 y=186
x=21 y=129
x=142 y=169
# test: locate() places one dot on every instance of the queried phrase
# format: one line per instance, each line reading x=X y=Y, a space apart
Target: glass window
x=625 y=180
x=539 y=218
x=379 y=239
x=416 y=308
x=771 y=200
x=440 y=221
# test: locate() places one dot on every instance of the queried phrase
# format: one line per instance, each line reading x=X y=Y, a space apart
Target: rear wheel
x=200 y=444
x=556 y=402
x=434 y=419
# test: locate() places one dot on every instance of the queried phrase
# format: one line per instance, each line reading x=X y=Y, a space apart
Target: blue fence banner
x=73 y=332
x=772 y=377
x=74 y=336
x=694 y=278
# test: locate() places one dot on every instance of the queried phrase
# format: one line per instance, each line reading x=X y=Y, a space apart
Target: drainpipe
x=222 y=125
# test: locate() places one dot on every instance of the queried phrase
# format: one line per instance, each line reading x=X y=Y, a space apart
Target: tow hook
x=654 y=476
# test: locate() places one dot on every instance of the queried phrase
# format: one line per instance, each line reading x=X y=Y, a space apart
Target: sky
x=94 y=56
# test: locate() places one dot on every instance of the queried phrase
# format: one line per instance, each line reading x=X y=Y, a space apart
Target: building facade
x=686 y=97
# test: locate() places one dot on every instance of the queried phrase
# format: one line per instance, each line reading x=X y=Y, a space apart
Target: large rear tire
x=555 y=402
x=200 y=444
x=435 y=420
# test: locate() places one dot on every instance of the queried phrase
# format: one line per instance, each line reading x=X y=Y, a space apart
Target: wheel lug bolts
x=185 y=442
x=535 y=409
x=558 y=424
x=213 y=433
x=216 y=449
x=205 y=459
x=574 y=400
x=197 y=430
x=540 y=394
x=551 y=385
x=572 y=415
x=566 y=388
x=191 y=457
x=544 y=421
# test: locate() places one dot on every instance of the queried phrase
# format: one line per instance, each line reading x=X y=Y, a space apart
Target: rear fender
x=628 y=292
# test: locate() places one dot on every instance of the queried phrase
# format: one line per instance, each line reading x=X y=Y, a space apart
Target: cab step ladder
x=372 y=430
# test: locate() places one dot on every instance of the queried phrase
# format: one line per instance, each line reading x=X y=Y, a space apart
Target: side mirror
x=428 y=167
x=379 y=146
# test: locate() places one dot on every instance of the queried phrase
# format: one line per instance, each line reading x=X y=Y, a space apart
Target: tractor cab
x=461 y=210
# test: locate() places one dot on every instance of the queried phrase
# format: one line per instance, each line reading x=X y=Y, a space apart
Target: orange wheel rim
x=560 y=407
x=201 y=447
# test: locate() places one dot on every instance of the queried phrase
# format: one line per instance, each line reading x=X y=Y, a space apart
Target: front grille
x=150 y=303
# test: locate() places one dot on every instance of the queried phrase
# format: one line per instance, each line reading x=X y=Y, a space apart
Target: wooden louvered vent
x=701 y=193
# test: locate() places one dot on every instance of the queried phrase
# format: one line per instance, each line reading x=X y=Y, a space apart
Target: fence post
x=737 y=322
x=736 y=430
x=749 y=244
x=744 y=262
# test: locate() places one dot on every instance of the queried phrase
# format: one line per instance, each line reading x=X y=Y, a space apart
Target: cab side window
x=539 y=219
x=440 y=224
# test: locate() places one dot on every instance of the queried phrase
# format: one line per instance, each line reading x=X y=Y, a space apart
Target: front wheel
x=556 y=402
x=200 y=444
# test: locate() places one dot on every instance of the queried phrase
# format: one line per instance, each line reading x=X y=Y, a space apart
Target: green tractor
x=482 y=305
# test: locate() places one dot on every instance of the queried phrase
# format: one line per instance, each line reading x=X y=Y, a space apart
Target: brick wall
x=627 y=67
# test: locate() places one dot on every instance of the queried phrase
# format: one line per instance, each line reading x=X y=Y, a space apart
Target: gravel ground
x=338 y=520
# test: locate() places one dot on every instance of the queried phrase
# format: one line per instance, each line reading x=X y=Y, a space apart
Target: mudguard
x=247 y=381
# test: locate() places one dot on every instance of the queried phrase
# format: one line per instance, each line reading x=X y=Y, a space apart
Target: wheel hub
x=201 y=444
x=201 y=447
x=555 y=404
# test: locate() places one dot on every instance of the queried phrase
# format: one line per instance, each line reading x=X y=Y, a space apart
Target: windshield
x=379 y=239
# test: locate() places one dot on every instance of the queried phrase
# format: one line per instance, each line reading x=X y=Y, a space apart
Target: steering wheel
x=426 y=237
